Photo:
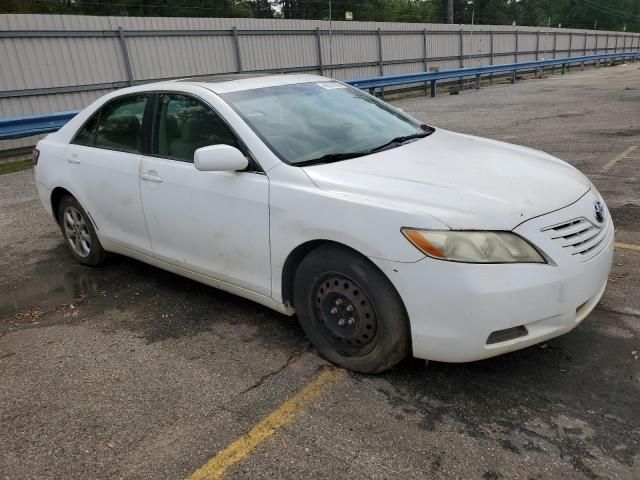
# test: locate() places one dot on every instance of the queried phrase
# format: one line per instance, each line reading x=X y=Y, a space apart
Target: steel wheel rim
x=345 y=315
x=77 y=231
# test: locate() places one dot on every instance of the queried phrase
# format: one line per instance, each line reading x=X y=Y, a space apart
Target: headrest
x=124 y=123
x=196 y=127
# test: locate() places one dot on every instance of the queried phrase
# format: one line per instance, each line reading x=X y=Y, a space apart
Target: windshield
x=309 y=123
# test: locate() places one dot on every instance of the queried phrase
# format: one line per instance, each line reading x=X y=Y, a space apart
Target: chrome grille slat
x=583 y=238
x=589 y=244
x=579 y=236
x=570 y=228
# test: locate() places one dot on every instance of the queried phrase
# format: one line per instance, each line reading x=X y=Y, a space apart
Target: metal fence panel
x=63 y=62
x=277 y=51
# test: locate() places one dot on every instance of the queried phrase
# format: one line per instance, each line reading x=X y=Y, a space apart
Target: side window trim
x=148 y=123
x=253 y=167
x=144 y=150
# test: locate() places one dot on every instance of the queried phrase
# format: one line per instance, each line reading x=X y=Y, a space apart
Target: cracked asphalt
x=127 y=371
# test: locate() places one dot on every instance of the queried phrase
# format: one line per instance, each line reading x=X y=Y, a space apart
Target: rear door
x=104 y=163
x=213 y=223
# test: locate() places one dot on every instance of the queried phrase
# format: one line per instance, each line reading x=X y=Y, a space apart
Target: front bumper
x=454 y=307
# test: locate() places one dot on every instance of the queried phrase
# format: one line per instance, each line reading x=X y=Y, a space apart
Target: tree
x=608 y=14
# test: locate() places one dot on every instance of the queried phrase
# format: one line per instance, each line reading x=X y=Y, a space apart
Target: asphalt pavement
x=127 y=371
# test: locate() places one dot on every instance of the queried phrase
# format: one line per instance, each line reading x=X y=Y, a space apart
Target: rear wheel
x=350 y=311
x=79 y=234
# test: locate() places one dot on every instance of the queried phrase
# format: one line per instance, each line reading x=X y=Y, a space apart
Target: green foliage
x=603 y=14
x=15 y=166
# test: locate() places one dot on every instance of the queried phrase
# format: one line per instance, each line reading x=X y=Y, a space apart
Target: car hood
x=463 y=181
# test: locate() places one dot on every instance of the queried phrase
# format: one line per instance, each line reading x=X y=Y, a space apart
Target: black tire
x=86 y=252
x=371 y=337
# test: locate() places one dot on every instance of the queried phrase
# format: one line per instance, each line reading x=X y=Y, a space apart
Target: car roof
x=248 y=81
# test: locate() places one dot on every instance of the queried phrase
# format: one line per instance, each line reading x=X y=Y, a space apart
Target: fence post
x=319 y=47
x=380 y=66
x=555 y=43
x=515 y=55
x=586 y=35
x=616 y=47
x=424 y=57
x=491 y=50
x=236 y=47
x=125 y=55
x=538 y=45
x=461 y=48
x=570 y=43
x=570 y=51
x=461 y=55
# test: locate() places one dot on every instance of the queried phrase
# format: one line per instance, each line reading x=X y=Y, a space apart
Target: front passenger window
x=185 y=125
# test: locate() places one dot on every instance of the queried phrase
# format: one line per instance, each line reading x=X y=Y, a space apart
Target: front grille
x=579 y=236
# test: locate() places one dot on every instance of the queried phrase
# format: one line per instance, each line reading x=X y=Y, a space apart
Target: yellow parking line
x=622 y=156
x=628 y=246
x=282 y=416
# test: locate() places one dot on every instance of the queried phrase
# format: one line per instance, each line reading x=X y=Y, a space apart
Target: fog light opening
x=507 y=334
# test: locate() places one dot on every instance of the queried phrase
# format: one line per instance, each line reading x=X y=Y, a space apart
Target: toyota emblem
x=598 y=210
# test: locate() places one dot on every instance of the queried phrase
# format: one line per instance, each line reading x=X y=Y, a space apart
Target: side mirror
x=219 y=158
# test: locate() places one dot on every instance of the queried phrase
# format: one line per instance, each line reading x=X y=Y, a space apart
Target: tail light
x=36 y=156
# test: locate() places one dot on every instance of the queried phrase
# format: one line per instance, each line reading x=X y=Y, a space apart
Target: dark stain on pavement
x=569 y=395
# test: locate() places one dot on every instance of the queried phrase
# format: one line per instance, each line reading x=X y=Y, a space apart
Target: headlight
x=473 y=247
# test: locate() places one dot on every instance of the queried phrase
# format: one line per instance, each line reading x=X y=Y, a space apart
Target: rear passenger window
x=120 y=124
x=185 y=125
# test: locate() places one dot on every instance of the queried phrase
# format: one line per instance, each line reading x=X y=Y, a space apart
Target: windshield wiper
x=400 y=140
x=331 y=157
x=336 y=157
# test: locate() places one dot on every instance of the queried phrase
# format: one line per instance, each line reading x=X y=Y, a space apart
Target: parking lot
x=127 y=371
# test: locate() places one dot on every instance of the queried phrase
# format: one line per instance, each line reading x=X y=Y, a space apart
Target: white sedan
x=386 y=236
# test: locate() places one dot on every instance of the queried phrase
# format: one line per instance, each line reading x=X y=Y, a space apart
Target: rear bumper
x=454 y=307
x=45 y=197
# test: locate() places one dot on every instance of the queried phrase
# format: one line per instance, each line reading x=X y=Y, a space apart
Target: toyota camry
x=384 y=235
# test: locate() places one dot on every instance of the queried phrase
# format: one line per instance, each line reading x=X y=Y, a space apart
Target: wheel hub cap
x=77 y=231
x=345 y=311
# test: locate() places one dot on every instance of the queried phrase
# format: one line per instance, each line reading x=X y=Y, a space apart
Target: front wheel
x=79 y=234
x=350 y=311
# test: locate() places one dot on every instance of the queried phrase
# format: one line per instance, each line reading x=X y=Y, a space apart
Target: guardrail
x=20 y=127
x=28 y=126
x=374 y=83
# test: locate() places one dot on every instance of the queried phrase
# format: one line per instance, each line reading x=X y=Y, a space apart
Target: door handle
x=73 y=159
x=150 y=177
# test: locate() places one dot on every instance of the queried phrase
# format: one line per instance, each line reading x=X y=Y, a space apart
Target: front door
x=212 y=223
